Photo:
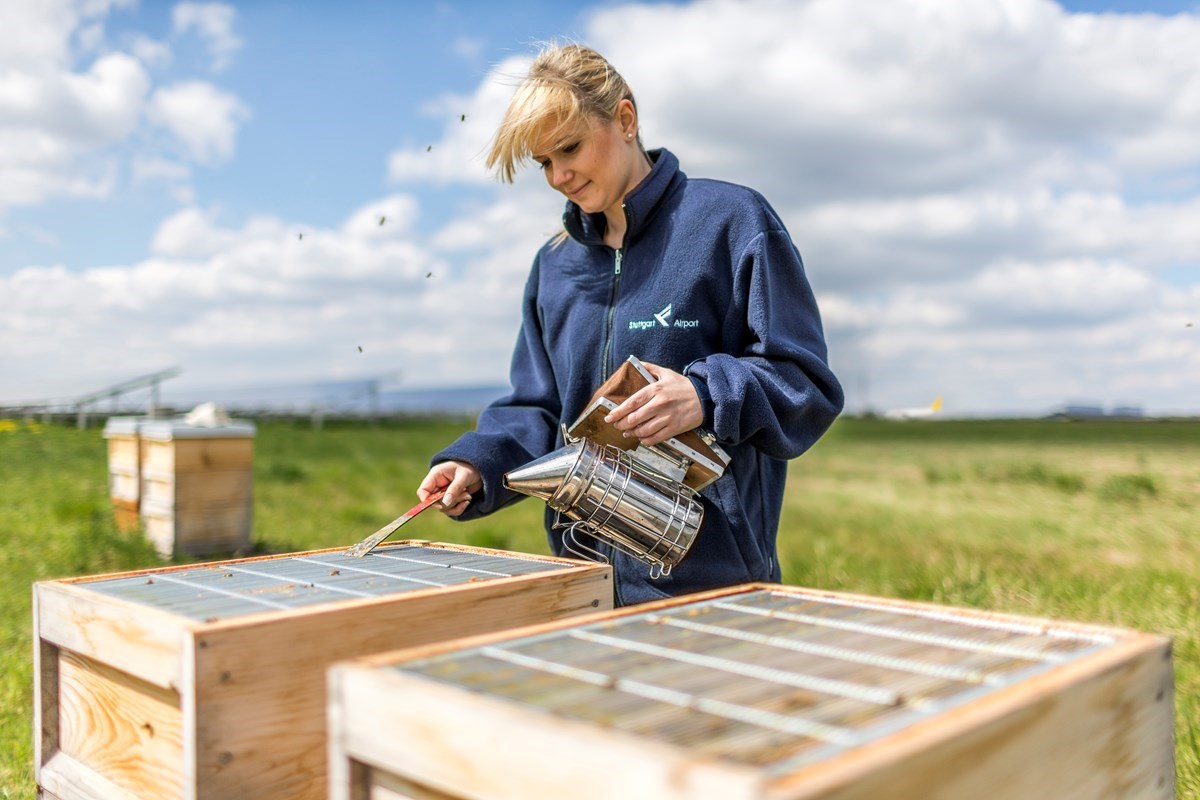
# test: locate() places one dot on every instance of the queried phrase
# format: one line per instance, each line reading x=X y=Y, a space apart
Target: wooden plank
x=260 y=680
x=1097 y=726
x=1100 y=727
x=125 y=729
x=198 y=531
x=382 y=785
x=198 y=490
x=141 y=641
x=125 y=488
x=123 y=451
x=45 y=693
x=389 y=718
x=126 y=516
x=189 y=774
x=197 y=455
x=65 y=778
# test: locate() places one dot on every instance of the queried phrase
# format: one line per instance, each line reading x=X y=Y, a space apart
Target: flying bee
x=428 y=148
x=428 y=274
x=382 y=219
x=462 y=117
x=360 y=348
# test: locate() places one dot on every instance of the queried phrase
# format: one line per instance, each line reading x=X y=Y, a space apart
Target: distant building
x=1076 y=410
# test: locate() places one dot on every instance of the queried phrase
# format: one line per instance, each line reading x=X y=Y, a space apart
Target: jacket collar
x=640 y=204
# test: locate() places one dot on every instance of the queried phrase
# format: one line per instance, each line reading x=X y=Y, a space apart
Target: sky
x=996 y=200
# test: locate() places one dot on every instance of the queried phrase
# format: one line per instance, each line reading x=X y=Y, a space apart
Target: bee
x=428 y=274
x=382 y=219
x=337 y=571
x=360 y=348
x=462 y=117
x=300 y=236
x=428 y=148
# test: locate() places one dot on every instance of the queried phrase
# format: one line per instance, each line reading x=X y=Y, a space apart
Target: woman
x=697 y=278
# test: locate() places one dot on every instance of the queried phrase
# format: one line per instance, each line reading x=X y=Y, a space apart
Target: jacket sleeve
x=777 y=393
x=515 y=429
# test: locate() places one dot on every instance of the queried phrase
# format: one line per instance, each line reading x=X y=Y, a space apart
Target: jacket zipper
x=606 y=354
x=604 y=371
x=612 y=312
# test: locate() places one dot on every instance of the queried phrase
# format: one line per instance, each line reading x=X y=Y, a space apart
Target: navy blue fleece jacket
x=707 y=283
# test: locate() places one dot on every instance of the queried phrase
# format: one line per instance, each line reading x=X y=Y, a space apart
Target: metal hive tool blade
x=371 y=542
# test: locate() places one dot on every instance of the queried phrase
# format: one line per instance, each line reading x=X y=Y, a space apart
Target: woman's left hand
x=665 y=408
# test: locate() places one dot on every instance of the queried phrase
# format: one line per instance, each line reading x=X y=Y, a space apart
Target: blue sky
x=993 y=198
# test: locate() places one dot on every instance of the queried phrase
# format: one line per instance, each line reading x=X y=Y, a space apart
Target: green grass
x=1090 y=522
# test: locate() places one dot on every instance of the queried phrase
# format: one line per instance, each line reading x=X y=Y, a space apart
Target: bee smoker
x=640 y=500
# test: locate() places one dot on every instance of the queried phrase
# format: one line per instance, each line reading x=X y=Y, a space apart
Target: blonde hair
x=567 y=86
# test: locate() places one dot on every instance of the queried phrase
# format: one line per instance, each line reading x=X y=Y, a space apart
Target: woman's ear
x=627 y=117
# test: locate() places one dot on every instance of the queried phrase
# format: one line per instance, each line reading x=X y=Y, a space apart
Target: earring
x=629 y=136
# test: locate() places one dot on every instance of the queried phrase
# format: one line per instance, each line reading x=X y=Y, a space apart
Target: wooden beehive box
x=208 y=681
x=762 y=692
x=124 y=470
x=197 y=486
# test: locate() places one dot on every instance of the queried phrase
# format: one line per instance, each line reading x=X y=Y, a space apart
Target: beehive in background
x=763 y=692
x=124 y=470
x=197 y=486
x=208 y=681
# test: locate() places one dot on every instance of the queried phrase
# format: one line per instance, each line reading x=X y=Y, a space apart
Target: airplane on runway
x=916 y=413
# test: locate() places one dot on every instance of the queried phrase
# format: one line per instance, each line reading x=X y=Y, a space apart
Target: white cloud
x=93 y=108
x=213 y=22
x=35 y=35
x=149 y=51
x=469 y=48
x=836 y=99
x=71 y=105
x=459 y=155
x=995 y=200
x=204 y=118
x=386 y=217
x=151 y=169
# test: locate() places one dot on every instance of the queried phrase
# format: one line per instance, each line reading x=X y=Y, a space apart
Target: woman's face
x=596 y=170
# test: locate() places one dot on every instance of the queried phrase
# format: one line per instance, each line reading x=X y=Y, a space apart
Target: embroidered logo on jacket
x=663 y=319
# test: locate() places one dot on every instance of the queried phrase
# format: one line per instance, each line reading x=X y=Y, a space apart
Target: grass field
x=1091 y=522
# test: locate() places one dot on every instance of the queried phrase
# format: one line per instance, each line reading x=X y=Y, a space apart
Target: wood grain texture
x=197 y=455
x=65 y=778
x=143 y=642
x=247 y=692
x=260 y=683
x=189 y=490
x=199 y=530
x=1097 y=727
x=123 y=451
x=45 y=694
x=125 y=729
x=382 y=785
x=401 y=723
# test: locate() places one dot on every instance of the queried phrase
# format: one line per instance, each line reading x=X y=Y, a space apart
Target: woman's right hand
x=459 y=480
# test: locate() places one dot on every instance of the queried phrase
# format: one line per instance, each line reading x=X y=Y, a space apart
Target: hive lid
x=122 y=426
x=166 y=430
x=224 y=589
x=774 y=680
